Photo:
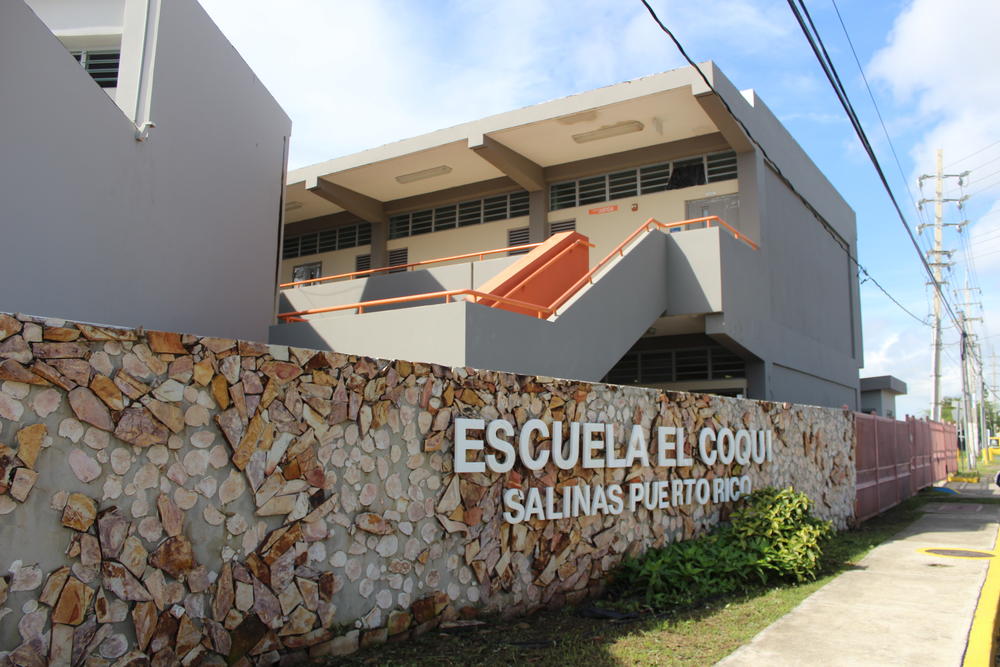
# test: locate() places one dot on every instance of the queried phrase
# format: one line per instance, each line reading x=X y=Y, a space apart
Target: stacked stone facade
x=172 y=499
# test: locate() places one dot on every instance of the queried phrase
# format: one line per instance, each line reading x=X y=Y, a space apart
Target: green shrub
x=772 y=536
x=779 y=529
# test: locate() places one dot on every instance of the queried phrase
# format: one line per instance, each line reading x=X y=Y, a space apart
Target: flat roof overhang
x=517 y=145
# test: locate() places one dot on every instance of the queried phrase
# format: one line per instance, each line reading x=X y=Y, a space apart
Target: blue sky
x=353 y=75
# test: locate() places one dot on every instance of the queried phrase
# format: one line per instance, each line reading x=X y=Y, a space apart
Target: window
x=399 y=257
x=563 y=226
x=102 y=66
x=362 y=262
x=517 y=236
x=685 y=173
x=307 y=271
x=462 y=214
x=328 y=240
x=644 y=180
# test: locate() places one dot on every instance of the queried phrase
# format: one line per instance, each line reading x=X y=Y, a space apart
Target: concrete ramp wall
x=466 y=275
x=583 y=342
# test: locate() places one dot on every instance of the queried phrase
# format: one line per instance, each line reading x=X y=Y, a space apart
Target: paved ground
x=899 y=607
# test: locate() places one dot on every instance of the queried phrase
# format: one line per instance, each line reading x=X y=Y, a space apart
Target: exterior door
x=726 y=207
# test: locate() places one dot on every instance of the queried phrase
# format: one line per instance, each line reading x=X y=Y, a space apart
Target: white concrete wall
x=179 y=232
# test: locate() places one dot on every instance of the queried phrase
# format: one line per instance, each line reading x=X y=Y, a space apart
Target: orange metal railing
x=541 y=311
x=447 y=295
x=407 y=267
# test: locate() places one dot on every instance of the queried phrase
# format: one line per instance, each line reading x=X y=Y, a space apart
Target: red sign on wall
x=603 y=209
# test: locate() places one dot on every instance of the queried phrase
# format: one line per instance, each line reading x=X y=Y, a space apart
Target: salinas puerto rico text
x=593 y=446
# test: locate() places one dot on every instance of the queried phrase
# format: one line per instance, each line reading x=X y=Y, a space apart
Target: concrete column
x=537 y=216
x=750 y=171
x=380 y=238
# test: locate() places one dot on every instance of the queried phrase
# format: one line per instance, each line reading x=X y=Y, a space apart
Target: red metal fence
x=896 y=459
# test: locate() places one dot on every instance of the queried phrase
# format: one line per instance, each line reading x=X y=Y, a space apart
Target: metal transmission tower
x=939 y=258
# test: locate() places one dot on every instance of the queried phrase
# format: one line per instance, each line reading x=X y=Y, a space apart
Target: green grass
x=696 y=636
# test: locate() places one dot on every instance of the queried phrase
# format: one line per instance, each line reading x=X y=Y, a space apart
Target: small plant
x=772 y=536
x=778 y=527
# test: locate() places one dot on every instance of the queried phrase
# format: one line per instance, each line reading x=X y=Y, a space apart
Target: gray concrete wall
x=434 y=333
x=798 y=308
x=591 y=332
x=467 y=275
x=784 y=150
x=793 y=304
x=883 y=402
x=178 y=232
x=694 y=272
x=810 y=389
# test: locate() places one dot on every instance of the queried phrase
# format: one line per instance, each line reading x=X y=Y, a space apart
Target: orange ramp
x=540 y=277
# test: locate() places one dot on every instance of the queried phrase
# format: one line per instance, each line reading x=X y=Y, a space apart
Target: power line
x=986 y=254
x=988 y=236
x=816 y=43
x=983 y=164
x=776 y=169
x=983 y=178
x=974 y=153
x=984 y=189
x=878 y=112
x=893 y=299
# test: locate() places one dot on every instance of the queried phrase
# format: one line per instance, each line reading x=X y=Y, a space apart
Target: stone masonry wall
x=172 y=499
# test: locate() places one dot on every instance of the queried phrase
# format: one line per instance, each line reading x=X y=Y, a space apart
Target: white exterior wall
x=450 y=242
x=605 y=230
x=447 y=243
x=179 y=232
x=332 y=263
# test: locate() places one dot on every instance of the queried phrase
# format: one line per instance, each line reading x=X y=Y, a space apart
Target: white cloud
x=360 y=74
x=937 y=60
x=937 y=65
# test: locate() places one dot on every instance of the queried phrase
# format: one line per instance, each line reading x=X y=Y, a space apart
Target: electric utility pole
x=972 y=376
x=938 y=258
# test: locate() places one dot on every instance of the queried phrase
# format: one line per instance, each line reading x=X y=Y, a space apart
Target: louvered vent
x=463 y=214
x=399 y=257
x=102 y=66
x=328 y=240
x=643 y=180
x=517 y=236
x=564 y=226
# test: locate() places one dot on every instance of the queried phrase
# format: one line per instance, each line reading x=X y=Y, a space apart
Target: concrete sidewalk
x=899 y=607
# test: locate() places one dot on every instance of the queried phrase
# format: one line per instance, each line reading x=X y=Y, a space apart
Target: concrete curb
x=980 y=651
